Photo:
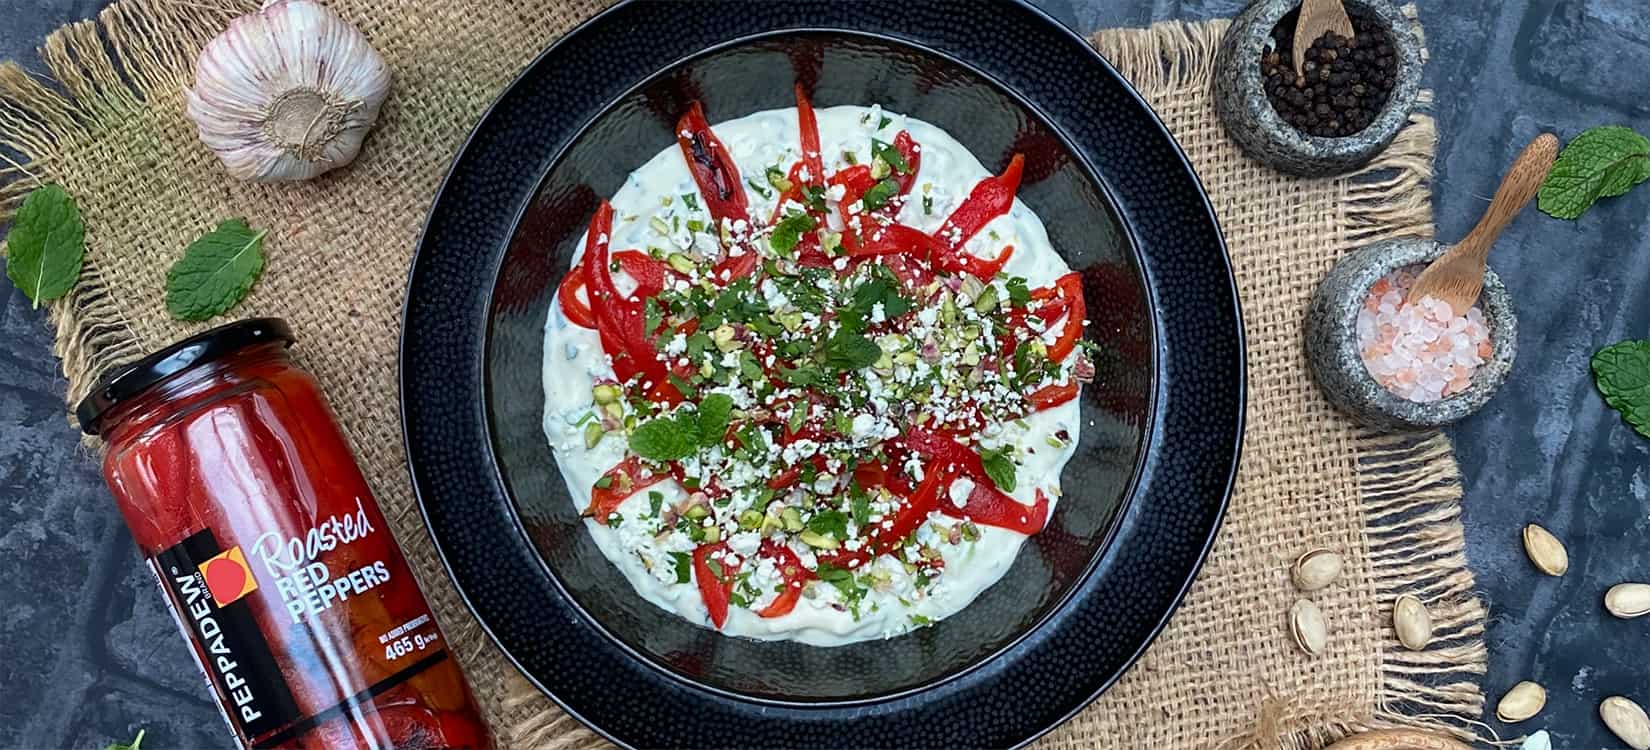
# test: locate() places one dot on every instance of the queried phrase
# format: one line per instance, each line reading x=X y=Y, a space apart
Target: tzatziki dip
x=813 y=375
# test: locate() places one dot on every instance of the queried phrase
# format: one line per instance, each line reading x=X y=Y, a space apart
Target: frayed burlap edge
x=1409 y=485
x=95 y=91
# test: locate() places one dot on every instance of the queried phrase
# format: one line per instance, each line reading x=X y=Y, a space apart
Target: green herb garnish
x=879 y=194
x=789 y=231
x=215 y=272
x=667 y=438
x=655 y=501
x=714 y=412
x=846 y=350
x=999 y=465
x=1622 y=372
x=46 y=245
x=891 y=155
x=1602 y=162
x=684 y=566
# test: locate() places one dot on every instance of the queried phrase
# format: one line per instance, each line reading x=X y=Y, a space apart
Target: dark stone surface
x=88 y=654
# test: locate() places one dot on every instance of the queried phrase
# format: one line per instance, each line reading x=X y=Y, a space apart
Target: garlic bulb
x=287 y=92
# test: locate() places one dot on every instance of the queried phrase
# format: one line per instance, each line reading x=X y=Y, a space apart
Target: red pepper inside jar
x=244 y=496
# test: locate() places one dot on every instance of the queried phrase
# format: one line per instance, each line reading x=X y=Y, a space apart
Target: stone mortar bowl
x=1332 y=341
x=1241 y=103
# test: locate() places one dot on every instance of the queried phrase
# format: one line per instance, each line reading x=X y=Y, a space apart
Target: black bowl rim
x=1240 y=385
x=1077 y=583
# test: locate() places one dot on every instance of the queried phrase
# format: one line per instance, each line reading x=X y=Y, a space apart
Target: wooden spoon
x=1318 y=17
x=1457 y=277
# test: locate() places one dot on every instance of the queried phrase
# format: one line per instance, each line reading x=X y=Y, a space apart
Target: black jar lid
x=134 y=378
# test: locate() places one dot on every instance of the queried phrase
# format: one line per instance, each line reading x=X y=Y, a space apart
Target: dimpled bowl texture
x=992 y=124
x=1242 y=106
x=1333 y=351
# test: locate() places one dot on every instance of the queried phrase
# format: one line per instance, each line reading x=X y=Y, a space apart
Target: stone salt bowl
x=1332 y=341
x=1241 y=103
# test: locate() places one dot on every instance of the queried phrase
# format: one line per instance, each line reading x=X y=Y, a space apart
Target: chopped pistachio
x=723 y=337
x=696 y=512
x=750 y=519
x=817 y=541
x=987 y=301
x=593 y=434
x=879 y=168
x=831 y=242
x=713 y=534
x=614 y=410
x=971 y=354
x=792 y=519
x=659 y=226
x=680 y=262
x=791 y=320
x=1054 y=442
x=606 y=393
x=969 y=290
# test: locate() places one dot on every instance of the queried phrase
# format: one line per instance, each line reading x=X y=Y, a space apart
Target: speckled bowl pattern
x=1332 y=341
x=1241 y=103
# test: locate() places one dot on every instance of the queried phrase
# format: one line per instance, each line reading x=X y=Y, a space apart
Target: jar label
x=208 y=587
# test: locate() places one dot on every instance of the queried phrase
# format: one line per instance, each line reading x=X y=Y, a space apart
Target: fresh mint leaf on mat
x=46 y=246
x=1602 y=162
x=1622 y=372
x=134 y=746
x=215 y=272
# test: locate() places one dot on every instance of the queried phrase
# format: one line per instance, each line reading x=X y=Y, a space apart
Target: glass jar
x=243 y=495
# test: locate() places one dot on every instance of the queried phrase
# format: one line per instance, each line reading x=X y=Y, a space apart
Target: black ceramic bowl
x=1162 y=420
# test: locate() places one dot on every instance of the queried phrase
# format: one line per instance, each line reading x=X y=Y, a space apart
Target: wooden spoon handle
x=1520 y=184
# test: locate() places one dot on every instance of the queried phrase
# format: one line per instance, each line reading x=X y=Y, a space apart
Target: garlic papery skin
x=287 y=92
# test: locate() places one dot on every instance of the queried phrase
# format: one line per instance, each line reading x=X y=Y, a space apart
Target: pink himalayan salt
x=1420 y=351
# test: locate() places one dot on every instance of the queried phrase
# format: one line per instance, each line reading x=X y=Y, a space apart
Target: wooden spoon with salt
x=1457 y=277
x=1318 y=17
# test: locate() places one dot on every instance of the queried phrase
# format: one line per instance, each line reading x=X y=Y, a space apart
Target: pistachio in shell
x=1308 y=628
x=1315 y=570
x=1413 y=622
x=1523 y=701
x=1545 y=551
x=1628 y=720
x=1628 y=600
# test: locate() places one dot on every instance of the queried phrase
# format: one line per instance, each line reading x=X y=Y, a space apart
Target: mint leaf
x=999 y=467
x=846 y=350
x=1602 y=162
x=878 y=195
x=215 y=272
x=134 y=746
x=879 y=290
x=891 y=155
x=714 y=412
x=46 y=245
x=789 y=231
x=1622 y=372
x=1019 y=295
x=666 y=438
x=831 y=522
x=684 y=566
x=860 y=505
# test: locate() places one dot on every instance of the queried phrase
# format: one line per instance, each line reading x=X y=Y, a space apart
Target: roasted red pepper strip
x=869 y=476
x=925 y=499
x=808 y=139
x=992 y=197
x=982 y=269
x=620 y=320
x=792 y=575
x=714 y=589
x=1050 y=396
x=623 y=480
x=913 y=161
x=789 y=476
x=890 y=240
x=574 y=308
x=989 y=506
x=712 y=168
x=1071 y=285
x=986 y=504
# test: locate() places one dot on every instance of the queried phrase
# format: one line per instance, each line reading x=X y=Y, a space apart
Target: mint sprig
x=667 y=438
x=1000 y=467
x=1602 y=162
x=1622 y=372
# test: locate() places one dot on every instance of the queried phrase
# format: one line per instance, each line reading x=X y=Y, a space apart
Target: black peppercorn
x=1344 y=84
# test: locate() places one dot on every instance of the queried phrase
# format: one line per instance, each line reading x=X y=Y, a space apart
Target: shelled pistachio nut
x=1545 y=551
x=1524 y=700
x=1413 y=622
x=1315 y=569
x=1628 y=600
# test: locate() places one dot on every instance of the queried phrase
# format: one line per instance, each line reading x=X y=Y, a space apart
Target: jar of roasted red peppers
x=243 y=494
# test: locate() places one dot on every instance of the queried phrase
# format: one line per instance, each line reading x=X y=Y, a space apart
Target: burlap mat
x=112 y=131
